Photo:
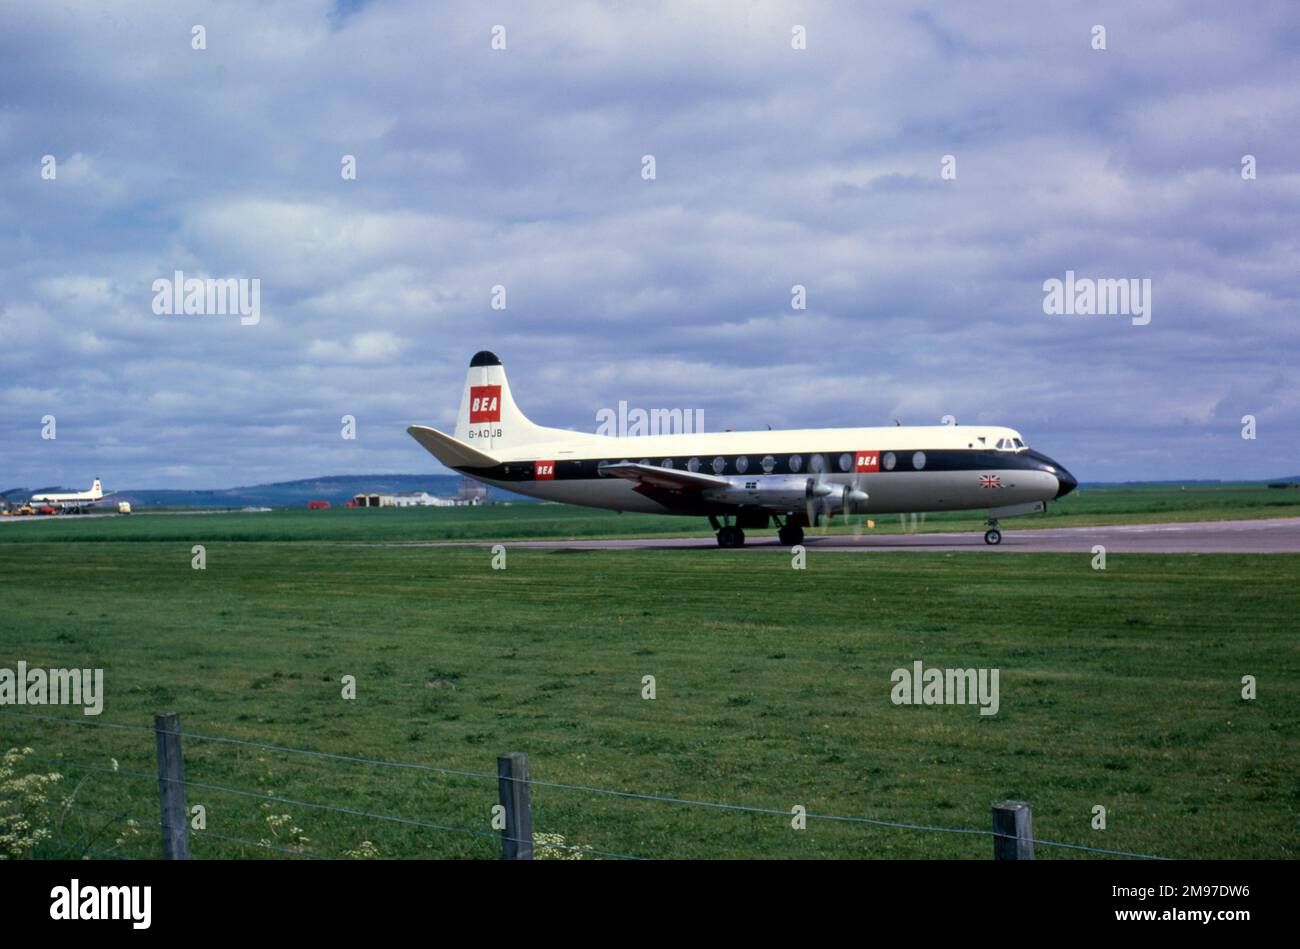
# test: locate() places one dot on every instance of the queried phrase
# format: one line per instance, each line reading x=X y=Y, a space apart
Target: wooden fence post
x=512 y=786
x=171 y=789
x=1013 y=825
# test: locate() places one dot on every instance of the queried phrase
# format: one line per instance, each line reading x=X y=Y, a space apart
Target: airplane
x=73 y=502
x=791 y=479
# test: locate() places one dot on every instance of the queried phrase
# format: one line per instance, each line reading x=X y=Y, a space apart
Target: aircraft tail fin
x=489 y=419
x=96 y=490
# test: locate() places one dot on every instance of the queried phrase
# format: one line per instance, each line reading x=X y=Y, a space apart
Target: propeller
x=914 y=526
x=816 y=492
x=853 y=501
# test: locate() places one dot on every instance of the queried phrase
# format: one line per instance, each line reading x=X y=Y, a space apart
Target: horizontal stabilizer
x=452 y=453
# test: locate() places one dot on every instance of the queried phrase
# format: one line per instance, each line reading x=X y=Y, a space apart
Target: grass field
x=1119 y=688
x=1120 y=505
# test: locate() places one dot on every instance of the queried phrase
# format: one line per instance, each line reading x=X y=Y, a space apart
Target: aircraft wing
x=671 y=478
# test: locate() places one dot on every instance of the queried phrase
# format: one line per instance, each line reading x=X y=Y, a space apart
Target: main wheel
x=731 y=537
x=790 y=535
x=993 y=536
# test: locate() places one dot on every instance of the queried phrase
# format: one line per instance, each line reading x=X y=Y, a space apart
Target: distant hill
x=337 y=489
x=1129 y=484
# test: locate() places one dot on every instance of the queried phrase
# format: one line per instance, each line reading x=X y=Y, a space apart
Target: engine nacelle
x=791 y=493
x=780 y=493
x=853 y=500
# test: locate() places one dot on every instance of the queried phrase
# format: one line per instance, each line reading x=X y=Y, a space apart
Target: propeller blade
x=853 y=501
x=814 y=493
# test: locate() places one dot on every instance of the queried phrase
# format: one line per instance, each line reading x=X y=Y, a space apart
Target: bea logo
x=544 y=471
x=867 y=461
x=484 y=404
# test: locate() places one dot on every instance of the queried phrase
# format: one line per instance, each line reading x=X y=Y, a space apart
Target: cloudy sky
x=523 y=167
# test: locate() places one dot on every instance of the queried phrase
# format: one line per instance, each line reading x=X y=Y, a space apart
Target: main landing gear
x=728 y=535
x=993 y=535
x=731 y=537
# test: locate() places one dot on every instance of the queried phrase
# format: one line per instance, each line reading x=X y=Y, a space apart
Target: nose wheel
x=993 y=536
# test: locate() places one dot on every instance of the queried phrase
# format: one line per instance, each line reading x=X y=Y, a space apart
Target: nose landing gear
x=993 y=536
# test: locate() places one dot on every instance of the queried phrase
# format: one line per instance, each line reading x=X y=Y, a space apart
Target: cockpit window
x=1020 y=444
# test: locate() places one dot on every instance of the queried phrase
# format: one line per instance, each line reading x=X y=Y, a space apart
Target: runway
x=1272 y=536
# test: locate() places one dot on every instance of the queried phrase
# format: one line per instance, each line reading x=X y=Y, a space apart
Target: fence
x=1011 y=831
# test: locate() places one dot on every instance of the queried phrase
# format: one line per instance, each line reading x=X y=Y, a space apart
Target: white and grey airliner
x=739 y=480
x=75 y=502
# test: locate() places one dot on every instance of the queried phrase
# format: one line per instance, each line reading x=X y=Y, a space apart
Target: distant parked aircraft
x=790 y=478
x=74 y=501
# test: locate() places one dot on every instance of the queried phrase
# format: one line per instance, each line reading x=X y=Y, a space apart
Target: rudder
x=488 y=417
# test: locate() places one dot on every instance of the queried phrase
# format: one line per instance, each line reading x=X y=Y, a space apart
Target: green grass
x=1119 y=688
x=1120 y=505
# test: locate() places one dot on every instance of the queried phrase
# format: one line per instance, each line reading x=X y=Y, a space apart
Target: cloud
x=364 y=347
x=522 y=168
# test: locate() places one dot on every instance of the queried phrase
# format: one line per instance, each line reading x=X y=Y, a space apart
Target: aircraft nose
x=1066 y=482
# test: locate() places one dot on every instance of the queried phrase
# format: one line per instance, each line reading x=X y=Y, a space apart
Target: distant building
x=471 y=491
x=409 y=499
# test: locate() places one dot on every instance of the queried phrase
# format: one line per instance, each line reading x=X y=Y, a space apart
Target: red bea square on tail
x=484 y=404
x=867 y=461
x=544 y=471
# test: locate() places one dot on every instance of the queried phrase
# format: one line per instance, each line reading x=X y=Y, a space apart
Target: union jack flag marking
x=990 y=481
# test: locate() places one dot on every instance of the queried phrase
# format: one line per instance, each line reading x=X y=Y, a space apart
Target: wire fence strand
x=262 y=845
x=85 y=850
x=588 y=789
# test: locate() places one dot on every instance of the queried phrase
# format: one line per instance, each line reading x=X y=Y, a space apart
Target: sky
x=524 y=167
